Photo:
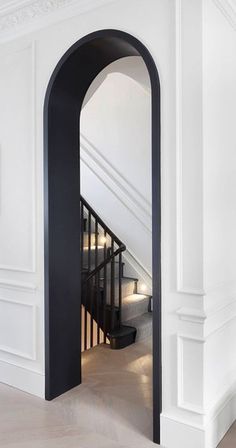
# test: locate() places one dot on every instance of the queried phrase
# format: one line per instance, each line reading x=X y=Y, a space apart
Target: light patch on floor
x=229 y=441
x=112 y=408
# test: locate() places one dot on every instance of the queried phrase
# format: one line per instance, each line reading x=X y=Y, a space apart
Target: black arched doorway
x=65 y=94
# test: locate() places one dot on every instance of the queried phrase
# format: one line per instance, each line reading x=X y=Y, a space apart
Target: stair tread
x=92 y=248
x=134 y=298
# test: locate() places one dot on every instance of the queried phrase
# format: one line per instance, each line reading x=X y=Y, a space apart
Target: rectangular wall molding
x=185 y=284
x=18 y=328
x=190 y=373
x=30 y=266
x=17 y=285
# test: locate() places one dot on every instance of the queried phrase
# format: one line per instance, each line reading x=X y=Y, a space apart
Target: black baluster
x=82 y=235
x=98 y=307
x=105 y=290
x=89 y=241
x=85 y=315
x=97 y=282
x=91 y=285
x=120 y=289
x=112 y=286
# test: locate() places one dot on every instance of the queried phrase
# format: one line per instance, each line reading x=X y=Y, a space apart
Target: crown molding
x=22 y=16
x=228 y=9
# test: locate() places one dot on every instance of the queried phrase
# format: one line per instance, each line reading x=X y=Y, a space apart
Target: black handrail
x=101 y=265
x=101 y=222
x=99 y=294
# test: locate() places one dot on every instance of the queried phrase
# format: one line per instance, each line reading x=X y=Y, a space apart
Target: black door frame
x=63 y=102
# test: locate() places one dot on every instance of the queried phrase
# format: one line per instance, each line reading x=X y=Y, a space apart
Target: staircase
x=113 y=311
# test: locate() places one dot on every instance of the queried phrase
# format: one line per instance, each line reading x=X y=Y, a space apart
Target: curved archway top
x=132 y=67
x=92 y=54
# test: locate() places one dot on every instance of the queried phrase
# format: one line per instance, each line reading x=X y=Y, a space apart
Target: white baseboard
x=23 y=379
x=222 y=419
x=178 y=434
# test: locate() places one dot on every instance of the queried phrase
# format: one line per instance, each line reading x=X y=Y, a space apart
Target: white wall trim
x=181 y=403
x=222 y=416
x=212 y=320
x=181 y=287
x=178 y=433
x=179 y=124
x=31 y=355
x=228 y=9
x=124 y=191
x=22 y=378
x=193 y=315
x=31 y=268
x=17 y=285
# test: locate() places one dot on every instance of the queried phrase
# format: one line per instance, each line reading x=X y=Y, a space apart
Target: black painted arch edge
x=156 y=187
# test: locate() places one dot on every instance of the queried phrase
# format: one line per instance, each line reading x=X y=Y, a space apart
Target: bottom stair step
x=122 y=337
x=143 y=324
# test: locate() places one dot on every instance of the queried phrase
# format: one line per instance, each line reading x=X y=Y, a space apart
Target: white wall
x=173 y=32
x=220 y=214
x=115 y=130
x=21 y=251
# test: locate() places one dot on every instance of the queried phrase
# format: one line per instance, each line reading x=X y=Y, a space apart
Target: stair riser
x=100 y=257
x=144 y=332
x=128 y=287
x=132 y=310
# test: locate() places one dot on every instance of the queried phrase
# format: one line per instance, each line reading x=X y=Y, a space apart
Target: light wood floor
x=111 y=409
x=229 y=441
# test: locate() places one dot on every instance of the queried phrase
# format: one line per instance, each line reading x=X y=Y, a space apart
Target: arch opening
x=64 y=99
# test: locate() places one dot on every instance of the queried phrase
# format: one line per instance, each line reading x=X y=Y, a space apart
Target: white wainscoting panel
x=189 y=147
x=18 y=328
x=190 y=373
x=17 y=161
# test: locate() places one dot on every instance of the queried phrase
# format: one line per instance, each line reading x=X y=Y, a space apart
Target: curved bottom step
x=122 y=337
x=143 y=324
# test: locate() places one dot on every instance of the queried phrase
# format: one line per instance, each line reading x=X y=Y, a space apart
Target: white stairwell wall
x=115 y=156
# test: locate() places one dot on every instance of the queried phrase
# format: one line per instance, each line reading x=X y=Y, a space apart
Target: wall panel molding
x=17 y=285
x=210 y=321
x=228 y=9
x=184 y=284
x=21 y=321
x=190 y=366
x=32 y=266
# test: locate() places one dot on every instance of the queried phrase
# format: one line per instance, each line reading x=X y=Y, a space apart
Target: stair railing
x=102 y=271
